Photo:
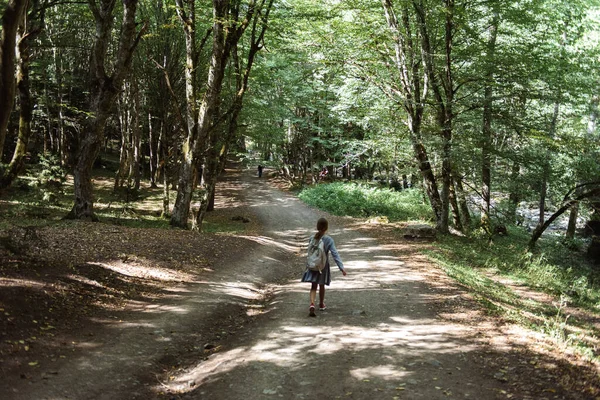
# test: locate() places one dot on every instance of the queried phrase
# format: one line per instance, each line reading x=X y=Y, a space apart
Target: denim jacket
x=329 y=246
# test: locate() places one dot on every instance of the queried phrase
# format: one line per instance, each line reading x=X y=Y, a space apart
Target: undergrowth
x=555 y=269
x=28 y=203
x=361 y=200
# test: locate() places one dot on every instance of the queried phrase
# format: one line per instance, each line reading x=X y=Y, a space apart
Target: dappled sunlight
x=87 y=345
x=360 y=250
x=122 y=324
x=385 y=372
x=178 y=289
x=363 y=239
x=12 y=282
x=263 y=197
x=267 y=241
x=381 y=264
x=358 y=265
x=155 y=308
x=227 y=292
x=294 y=346
x=151 y=308
x=239 y=289
x=85 y=280
x=145 y=270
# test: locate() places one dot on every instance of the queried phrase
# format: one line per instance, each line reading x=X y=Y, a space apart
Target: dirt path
x=395 y=328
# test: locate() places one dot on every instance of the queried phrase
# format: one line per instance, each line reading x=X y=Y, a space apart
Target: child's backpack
x=316 y=258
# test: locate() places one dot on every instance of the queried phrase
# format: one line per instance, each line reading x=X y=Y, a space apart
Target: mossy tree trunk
x=11 y=19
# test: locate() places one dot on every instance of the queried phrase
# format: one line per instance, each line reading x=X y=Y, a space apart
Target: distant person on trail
x=324 y=277
x=323 y=173
x=260 y=170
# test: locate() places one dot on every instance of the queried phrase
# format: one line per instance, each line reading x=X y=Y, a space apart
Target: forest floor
x=102 y=311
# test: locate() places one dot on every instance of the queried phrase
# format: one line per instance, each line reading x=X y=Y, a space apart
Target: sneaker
x=322 y=307
x=311 y=311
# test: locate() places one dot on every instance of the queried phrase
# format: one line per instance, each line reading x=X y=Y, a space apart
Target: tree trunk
x=514 y=196
x=547 y=168
x=486 y=146
x=257 y=36
x=572 y=226
x=429 y=181
x=590 y=135
x=163 y=150
x=124 y=128
x=539 y=230
x=225 y=37
x=61 y=142
x=181 y=209
x=413 y=87
x=441 y=83
x=12 y=18
x=136 y=140
x=152 y=154
x=25 y=110
x=104 y=91
x=462 y=202
x=457 y=220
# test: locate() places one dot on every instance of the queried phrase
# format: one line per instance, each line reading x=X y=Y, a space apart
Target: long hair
x=322 y=226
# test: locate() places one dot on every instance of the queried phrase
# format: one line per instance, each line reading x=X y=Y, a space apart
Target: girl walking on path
x=324 y=277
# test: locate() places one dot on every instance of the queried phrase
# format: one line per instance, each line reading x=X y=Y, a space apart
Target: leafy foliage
x=51 y=177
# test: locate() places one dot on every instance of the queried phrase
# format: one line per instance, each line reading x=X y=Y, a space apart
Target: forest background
x=483 y=111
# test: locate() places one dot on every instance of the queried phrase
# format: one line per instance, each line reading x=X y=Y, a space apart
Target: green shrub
x=51 y=177
x=360 y=200
x=52 y=173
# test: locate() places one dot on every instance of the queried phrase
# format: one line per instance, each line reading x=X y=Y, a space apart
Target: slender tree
x=200 y=146
x=487 y=133
x=257 y=34
x=414 y=86
x=441 y=81
x=11 y=20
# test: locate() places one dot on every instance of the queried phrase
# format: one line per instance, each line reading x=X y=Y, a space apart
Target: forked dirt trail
x=395 y=328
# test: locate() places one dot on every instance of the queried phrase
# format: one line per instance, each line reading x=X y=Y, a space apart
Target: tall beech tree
x=105 y=85
x=413 y=93
x=29 y=29
x=199 y=118
x=12 y=18
x=441 y=81
x=487 y=117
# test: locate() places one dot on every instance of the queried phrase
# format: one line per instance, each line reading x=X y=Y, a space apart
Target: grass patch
x=559 y=271
x=361 y=200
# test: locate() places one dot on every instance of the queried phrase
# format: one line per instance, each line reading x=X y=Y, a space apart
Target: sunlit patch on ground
x=146 y=270
x=386 y=372
x=294 y=346
x=8 y=282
